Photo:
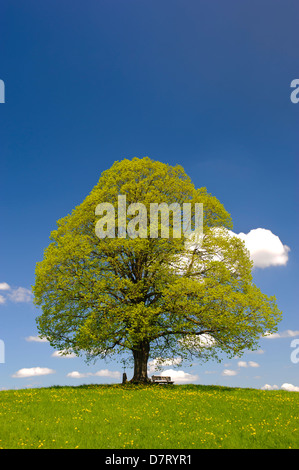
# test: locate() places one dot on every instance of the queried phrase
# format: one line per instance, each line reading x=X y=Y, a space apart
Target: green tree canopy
x=152 y=297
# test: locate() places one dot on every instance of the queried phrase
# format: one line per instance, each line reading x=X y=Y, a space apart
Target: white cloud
x=64 y=353
x=283 y=334
x=198 y=342
x=107 y=373
x=20 y=294
x=289 y=387
x=4 y=286
x=253 y=364
x=17 y=294
x=32 y=372
x=179 y=376
x=266 y=249
x=242 y=364
x=37 y=339
x=157 y=363
x=269 y=387
x=76 y=375
x=100 y=373
x=248 y=364
x=229 y=372
x=206 y=340
x=271 y=336
x=286 y=386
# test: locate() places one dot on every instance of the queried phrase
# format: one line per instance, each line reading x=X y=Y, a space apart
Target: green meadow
x=148 y=417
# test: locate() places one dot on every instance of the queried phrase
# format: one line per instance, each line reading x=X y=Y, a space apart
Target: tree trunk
x=141 y=355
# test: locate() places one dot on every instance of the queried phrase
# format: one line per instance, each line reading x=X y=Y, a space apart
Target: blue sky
x=202 y=84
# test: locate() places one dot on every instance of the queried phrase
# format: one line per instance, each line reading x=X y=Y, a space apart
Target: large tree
x=152 y=297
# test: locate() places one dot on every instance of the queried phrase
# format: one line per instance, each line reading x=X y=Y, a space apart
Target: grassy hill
x=150 y=417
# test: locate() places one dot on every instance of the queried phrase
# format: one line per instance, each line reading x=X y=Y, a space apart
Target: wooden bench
x=161 y=380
